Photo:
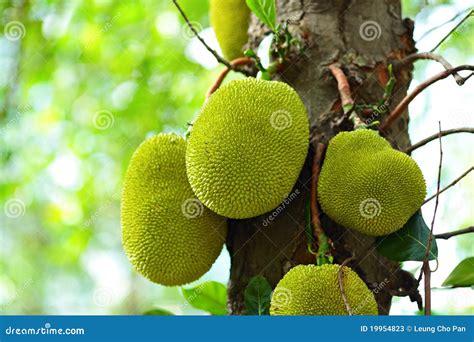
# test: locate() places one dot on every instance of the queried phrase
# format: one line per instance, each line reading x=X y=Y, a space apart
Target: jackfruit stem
x=236 y=62
x=219 y=58
x=340 y=275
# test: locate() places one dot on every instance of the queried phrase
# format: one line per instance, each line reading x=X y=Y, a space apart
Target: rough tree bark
x=330 y=31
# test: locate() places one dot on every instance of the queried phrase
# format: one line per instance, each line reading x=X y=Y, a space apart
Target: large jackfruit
x=367 y=185
x=247 y=147
x=168 y=235
x=230 y=20
x=314 y=290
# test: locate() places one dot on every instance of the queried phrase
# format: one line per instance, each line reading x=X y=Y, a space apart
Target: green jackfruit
x=168 y=235
x=367 y=185
x=230 y=20
x=314 y=290
x=247 y=147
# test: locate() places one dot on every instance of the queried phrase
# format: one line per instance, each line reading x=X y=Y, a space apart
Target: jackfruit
x=168 y=235
x=314 y=290
x=230 y=21
x=247 y=147
x=367 y=185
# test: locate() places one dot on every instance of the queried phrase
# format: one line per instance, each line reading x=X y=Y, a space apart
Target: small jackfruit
x=168 y=235
x=247 y=147
x=230 y=21
x=314 y=290
x=367 y=185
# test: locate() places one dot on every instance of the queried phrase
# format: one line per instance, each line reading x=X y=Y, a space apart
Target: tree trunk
x=332 y=31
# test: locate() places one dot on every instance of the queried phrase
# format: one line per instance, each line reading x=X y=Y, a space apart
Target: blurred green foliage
x=81 y=88
x=82 y=84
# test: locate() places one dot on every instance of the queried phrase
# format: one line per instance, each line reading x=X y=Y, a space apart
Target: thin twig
x=343 y=87
x=316 y=169
x=211 y=50
x=427 y=274
x=341 y=285
x=453 y=29
x=446 y=236
x=434 y=57
x=236 y=62
x=454 y=182
x=426 y=264
x=435 y=136
x=457 y=15
x=395 y=114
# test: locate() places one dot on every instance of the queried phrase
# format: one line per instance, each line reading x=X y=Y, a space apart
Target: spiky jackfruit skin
x=168 y=235
x=247 y=147
x=230 y=21
x=308 y=290
x=367 y=185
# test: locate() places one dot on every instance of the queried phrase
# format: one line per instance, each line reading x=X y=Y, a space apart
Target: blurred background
x=83 y=83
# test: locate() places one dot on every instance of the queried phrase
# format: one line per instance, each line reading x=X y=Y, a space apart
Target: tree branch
x=341 y=285
x=212 y=51
x=454 y=182
x=395 y=114
x=426 y=264
x=434 y=57
x=435 y=136
x=446 y=236
x=236 y=62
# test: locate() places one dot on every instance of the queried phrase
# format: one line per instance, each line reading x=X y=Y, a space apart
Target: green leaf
x=257 y=296
x=158 y=312
x=210 y=296
x=408 y=243
x=265 y=10
x=462 y=275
